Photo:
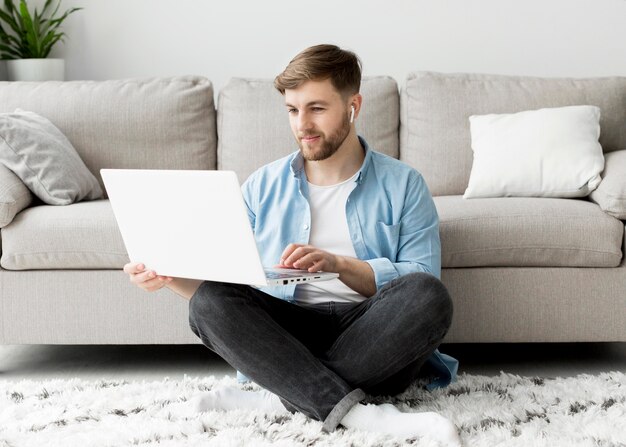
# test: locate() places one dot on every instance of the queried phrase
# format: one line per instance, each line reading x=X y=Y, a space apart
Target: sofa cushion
x=157 y=123
x=435 y=107
x=14 y=195
x=474 y=233
x=253 y=125
x=82 y=235
x=44 y=159
x=527 y=231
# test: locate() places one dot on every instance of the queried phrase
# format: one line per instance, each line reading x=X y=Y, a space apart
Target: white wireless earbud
x=352 y=115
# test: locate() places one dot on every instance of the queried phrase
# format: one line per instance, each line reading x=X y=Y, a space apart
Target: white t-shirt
x=329 y=232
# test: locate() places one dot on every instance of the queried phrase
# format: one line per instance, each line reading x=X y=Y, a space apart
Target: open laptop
x=192 y=224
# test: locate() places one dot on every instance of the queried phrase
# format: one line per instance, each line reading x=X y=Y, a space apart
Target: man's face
x=319 y=118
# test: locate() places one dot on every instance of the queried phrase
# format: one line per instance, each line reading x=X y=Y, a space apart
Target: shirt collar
x=297 y=162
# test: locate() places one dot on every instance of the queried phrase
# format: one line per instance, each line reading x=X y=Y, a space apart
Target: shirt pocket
x=388 y=237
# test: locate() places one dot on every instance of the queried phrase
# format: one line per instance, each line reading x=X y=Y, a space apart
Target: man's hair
x=321 y=62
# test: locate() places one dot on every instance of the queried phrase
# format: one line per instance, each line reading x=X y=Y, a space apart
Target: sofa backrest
x=253 y=125
x=435 y=107
x=158 y=123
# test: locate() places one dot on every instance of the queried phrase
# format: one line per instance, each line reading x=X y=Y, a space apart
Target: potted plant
x=26 y=39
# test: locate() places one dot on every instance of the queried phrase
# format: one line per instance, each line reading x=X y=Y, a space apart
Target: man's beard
x=329 y=145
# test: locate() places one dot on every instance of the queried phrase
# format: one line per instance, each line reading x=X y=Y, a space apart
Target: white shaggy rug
x=505 y=410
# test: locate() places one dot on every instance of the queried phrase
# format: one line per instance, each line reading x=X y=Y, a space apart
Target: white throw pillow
x=552 y=152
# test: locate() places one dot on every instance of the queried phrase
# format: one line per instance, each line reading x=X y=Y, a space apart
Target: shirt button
x=306 y=226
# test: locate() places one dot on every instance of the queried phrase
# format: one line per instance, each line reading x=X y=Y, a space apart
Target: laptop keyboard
x=277 y=275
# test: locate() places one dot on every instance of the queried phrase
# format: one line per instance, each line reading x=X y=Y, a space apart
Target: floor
x=154 y=362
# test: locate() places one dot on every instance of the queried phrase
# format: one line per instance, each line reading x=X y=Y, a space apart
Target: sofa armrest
x=14 y=196
x=610 y=195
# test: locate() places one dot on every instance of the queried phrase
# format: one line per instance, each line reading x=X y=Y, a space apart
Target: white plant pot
x=35 y=70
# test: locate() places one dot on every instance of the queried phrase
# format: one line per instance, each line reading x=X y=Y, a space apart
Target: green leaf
x=10 y=7
x=8 y=4
x=47 y=5
x=8 y=38
x=49 y=38
x=54 y=13
x=10 y=21
x=10 y=51
x=31 y=33
x=12 y=10
x=3 y=33
x=36 y=25
x=55 y=39
x=53 y=24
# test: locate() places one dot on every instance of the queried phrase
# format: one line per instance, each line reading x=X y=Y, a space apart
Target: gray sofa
x=518 y=269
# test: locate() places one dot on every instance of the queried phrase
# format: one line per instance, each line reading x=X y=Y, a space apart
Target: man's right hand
x=145 y=279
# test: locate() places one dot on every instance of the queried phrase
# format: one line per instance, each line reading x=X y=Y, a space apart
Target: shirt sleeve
x=419 y=247
x=250 y=198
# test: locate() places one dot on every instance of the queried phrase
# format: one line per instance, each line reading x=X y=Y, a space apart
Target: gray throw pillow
x=14 y=196
x=39 y=154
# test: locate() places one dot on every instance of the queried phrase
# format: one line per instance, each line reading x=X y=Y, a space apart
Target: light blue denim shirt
x=391 y=216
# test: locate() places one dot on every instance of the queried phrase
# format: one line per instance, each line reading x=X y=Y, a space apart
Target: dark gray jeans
x=322 y=359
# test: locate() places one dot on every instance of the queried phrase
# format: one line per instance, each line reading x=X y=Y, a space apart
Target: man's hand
x=307 y=257
x=354 y=273
x=149 y=281
x=144 y=278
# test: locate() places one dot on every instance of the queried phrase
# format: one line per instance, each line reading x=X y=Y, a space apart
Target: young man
x=335 y=205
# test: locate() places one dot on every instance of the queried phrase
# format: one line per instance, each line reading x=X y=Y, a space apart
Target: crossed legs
x=322 y=360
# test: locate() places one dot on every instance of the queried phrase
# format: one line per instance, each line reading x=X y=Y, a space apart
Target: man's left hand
x=307 y=257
